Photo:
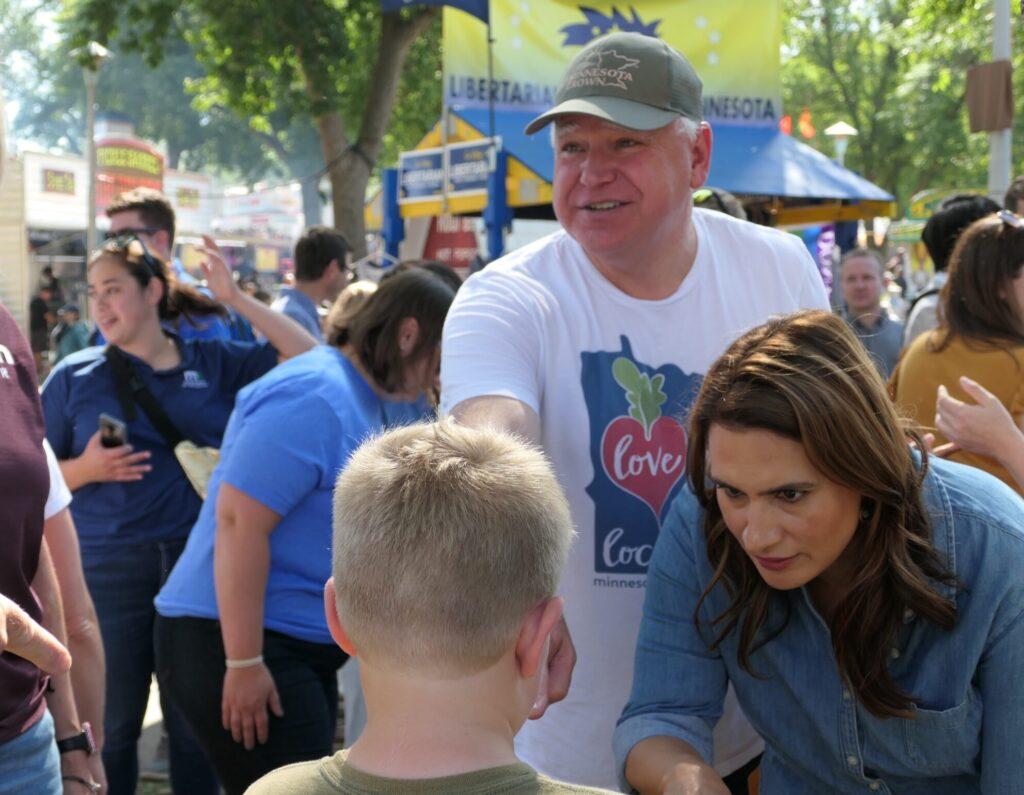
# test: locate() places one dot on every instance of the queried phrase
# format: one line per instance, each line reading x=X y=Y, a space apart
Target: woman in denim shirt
x=865 y=601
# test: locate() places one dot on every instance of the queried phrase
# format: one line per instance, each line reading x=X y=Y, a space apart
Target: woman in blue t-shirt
x=250 y=582
x=133 y=504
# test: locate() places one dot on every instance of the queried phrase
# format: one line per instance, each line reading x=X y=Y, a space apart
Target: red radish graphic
x=643 y=454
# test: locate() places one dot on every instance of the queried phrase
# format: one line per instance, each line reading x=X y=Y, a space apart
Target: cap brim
x=623 y=112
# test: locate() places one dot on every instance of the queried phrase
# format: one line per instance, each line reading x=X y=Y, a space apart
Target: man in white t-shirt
x=593 y=342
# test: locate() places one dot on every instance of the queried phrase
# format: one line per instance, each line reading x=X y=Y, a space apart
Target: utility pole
x=999 y=142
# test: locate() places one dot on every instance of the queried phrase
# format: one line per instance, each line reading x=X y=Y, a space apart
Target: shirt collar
x=184 y=353
x=940 y=515
x=296 y=294
x=883 y=319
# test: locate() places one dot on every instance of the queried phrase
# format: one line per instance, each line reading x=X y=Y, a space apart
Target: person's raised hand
x=218 y=275
x=556 y=677
x=119 y=464
x=984 y=428
x=21 y=635
x=247 y=694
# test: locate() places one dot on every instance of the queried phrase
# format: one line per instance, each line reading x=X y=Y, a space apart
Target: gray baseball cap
x=629 y=79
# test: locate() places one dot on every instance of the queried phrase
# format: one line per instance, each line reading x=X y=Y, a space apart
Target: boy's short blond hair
x=445 y=537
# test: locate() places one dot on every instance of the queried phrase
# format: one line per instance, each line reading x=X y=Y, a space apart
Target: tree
x=892 y=70
x=338 y=61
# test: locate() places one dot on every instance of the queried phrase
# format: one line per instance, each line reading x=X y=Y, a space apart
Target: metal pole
x=490 y=80
x=91 y=78
x=1000 y=141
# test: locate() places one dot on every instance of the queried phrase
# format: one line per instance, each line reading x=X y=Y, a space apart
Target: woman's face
x=791 y=520
x=119 y=304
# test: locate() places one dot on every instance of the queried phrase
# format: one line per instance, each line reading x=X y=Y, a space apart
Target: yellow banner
x=733 y=44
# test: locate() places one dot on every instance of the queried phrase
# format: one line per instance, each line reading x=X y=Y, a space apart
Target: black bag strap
x=925 y=294
x=131 y=391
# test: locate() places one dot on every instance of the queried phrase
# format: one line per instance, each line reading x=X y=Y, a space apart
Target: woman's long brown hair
x=976 y=300
x=807 y=378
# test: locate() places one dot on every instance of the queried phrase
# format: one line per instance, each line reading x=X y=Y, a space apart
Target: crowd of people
x=631 y=509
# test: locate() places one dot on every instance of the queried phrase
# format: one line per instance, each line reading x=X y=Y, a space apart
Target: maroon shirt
x=24 y=486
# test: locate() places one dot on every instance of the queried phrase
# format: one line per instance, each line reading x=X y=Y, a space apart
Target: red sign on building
x=451 y=240
x=123 y=164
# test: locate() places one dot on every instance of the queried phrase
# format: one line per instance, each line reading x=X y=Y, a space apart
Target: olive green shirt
x=332 y=775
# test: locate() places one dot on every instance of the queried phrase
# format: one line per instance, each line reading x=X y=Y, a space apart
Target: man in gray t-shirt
x=860 y=276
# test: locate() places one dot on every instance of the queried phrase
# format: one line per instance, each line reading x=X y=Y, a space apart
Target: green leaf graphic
x=644 y=394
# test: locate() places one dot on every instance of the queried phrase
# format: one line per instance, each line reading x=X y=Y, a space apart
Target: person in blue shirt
x=134 y=506
x=863 y=598
x=147 y=214
x=243 y=647
x=321 y=273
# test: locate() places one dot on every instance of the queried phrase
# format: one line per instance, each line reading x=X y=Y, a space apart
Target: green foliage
x=273 y=61
x=645 y=394
x=895 y=70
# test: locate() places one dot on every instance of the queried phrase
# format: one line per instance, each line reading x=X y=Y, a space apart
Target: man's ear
x=534 y=632
x=334 y=622
x=700 y=156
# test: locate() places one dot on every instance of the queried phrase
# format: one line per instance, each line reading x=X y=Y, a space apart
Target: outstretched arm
x=288 y=337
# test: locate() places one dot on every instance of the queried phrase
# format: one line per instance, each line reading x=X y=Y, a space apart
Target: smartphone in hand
x=113 y=432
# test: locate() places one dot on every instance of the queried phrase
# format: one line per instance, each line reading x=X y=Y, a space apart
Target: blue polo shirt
x=300 y=308
x=198 y=396
x=289 y=437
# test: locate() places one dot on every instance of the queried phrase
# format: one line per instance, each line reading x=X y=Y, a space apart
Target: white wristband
x=249 y=663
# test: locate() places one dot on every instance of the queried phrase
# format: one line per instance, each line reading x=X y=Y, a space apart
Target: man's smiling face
x=619 y=192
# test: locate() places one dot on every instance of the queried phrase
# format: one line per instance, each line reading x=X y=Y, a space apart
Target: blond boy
x=448 y=545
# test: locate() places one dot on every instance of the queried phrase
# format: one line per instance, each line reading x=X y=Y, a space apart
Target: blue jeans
x=29 y=762
x=123 y=584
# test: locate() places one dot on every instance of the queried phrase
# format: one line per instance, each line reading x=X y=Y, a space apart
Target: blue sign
x=478 y=8
x=420 y=175
x=423 y=174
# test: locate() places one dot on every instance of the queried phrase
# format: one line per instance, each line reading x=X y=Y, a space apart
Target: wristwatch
x=78 y=742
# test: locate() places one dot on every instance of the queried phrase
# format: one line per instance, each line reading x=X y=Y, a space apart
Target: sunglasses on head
x=110 y=234
x=134 y=250
x=1011 y=219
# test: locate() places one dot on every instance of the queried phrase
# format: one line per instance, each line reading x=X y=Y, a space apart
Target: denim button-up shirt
x=967 y=735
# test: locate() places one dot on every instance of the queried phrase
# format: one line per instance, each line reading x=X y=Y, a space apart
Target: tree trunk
x=348 y=185
x=349 y=166
x=312 y=208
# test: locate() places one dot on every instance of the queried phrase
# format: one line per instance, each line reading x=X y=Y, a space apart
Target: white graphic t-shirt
x=609 y=376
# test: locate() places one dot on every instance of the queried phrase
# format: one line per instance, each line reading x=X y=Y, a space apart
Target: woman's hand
x=247 y=693
x=99 y=464
x=218 y=275
x=76 y=774
x=21 y=635
x=99 y=775
x=687 y=779
x=986 y=428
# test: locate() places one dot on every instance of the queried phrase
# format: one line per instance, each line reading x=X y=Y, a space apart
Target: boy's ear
x=333 y=622
x=534 y=632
